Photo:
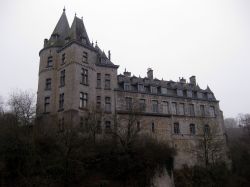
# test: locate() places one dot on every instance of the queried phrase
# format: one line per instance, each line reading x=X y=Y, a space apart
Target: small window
x=50 y=62
x=174 y=108
x=108 y=127
x=127 y=86
x=192 y=129
x=138 y=126
x=62 y=78
x=212 y=111
x=61 y=101
x=206 y=130
x=98 y=102
x=83 y=100
x=107 y=104
x=85 y=57
x=98 y=80
x=202 y=110
x=63 y=58
x=163 y=90
x=153 y=89
x=153 y=127
x=46 y=104
x=48 y=84
x=164 y=107
x=189 y=93
x=176 y=128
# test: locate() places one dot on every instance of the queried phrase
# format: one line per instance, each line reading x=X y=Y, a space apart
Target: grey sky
x=177 y=38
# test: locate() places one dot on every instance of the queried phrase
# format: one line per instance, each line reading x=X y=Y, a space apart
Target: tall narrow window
x=174 y=108
x=192 y=129
x=63 y=58
x=191 y=109
x=138 y=126
x=107 y=81
x=164 y=107
x=48 y=84
x=176 y=128
x=84 y=76
x=98 y=80
x=98 y=102
x=206 y=130
x=83 y=100
x=142 y=105
x=61 y=101
x=50 y=62
x=202 y=110
x=153 y=127
x=107 y=127
x=46 y=104
x=62 y=78
x=85 y=57
x=107 y=104
x=128 y=103
x=181 y=109
x=155 y=106
x=212 y=111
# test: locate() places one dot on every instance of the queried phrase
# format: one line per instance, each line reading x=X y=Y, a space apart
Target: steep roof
x=78 y=32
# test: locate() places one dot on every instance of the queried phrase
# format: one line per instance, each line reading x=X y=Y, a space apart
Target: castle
x=75 y=74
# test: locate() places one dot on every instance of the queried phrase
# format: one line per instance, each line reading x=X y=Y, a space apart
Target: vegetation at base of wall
x=219 y=175
x=37 y=156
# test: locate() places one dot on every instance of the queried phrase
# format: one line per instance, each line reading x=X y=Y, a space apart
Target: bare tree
x=211 y=145
x=244 y=121
x=22 y=104
x=230 y=122
x=1 y=105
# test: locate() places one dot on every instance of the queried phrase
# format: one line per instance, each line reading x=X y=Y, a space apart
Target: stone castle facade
x=74 y=75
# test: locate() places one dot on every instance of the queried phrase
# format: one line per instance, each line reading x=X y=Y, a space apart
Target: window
x=128 y=101
x=81 y=122
x=176 y=128
x=61 y=100
x=85 y=57
x=107 y=81
x=50 y=62
x=84 y=76
x=189 y=93
x=192 y=129
x=98 y=128
x=164 y=91
x=153 y=89
x=212 y=111
x=63 y=59
x=108 y=127
x=107 y=104
x=202 y=110
x=155 y=106
x=46 y=104
x=164 y=107
x=62 y=78
x=48 y=84
x=83 y=100
x=98 y=80
x=61 y=124
x=180 y=93
x=153 y=127
x=206 y=130
x=126 y=86
x=191 y=109
x=138 y=126
x=140 y=87
x=174 y=108
x=181 y=109
x=142 y=105
x=98 y=102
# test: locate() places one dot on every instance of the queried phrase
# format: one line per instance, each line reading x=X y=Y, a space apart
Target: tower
x=72 y=73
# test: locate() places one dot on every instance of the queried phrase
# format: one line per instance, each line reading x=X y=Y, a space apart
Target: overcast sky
x=176 y=38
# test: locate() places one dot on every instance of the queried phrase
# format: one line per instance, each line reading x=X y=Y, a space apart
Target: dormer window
x=55 y=36
x=180 y=93
x=154 y=89
x=83 y=39
x=189 y=93
x=140 y=87
x=164 y=90
x=127 y=86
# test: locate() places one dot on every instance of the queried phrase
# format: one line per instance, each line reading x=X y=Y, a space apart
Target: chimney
x=45 y=42
x=109 y=55
x=126 y=73
x=150 y=73
x=192 y=80
x=182 y=80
